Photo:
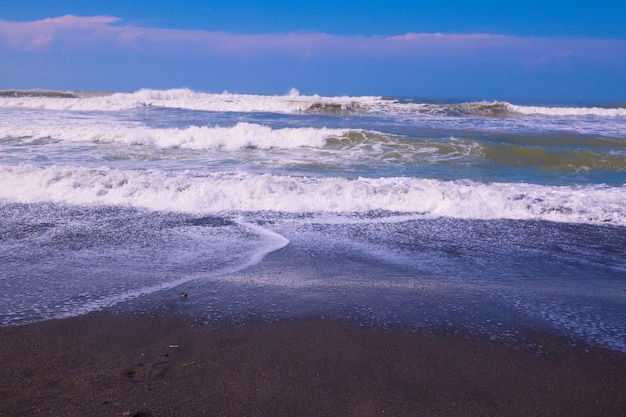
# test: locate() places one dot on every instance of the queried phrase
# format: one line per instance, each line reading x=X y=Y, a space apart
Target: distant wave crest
x=191 y=100
x=36 y=93
x=293 y=102
x=569 y=111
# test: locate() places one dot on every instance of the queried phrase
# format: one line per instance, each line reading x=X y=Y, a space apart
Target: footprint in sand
x=147 y=371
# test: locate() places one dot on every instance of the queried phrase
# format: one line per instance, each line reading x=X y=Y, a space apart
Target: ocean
x=488 y=218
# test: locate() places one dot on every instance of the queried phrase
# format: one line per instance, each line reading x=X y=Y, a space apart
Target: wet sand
x=122 y=365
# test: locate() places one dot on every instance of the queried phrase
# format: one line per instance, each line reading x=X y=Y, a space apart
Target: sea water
x=491 y=218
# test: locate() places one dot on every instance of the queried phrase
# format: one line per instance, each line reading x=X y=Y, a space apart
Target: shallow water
x=492 y=218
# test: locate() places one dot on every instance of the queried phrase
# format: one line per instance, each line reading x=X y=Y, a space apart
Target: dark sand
x=107 y=365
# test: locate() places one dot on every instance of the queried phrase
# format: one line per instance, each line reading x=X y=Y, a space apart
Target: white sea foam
x=271 y=242
x=92 y=292
x=191 y=100
x=289 y=103
x=568 y=111
x=242 y=135
x=585 y=323
x=234 y=192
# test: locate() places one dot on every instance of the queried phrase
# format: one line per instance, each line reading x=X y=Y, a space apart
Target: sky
x=482 y=49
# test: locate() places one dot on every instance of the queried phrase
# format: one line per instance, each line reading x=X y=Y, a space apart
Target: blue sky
x=476 y=49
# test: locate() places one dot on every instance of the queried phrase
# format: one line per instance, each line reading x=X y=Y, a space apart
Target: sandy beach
x=123 y=365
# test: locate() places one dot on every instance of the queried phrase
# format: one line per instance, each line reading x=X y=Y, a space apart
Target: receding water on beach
x=487 y=218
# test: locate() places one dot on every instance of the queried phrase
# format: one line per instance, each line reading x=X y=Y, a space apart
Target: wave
x=243 y=135
x=293 y=102
x=337 y=148
x=576 y=159
x=352 y=144
x=568 y=111
x=36 y=93
x=195 y=192
x=191 y=100
x=476 y=109
x=498 y=109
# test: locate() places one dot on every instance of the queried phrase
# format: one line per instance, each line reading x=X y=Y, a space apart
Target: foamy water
x=230 y=192
x=492 y=217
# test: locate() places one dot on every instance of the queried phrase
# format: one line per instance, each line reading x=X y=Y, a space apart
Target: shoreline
x=105 y=364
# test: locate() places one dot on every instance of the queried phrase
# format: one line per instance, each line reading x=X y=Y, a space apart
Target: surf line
x=276 y=242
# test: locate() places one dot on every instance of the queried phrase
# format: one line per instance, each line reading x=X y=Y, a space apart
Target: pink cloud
x=41 y=42
x=44 y=34
x=445 y=37
x=84 y=34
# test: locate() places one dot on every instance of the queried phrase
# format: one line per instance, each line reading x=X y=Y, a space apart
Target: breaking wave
x=194 y=192
x=242 y=135
x=191 y=100
x=293 y=102
x=569 y=111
